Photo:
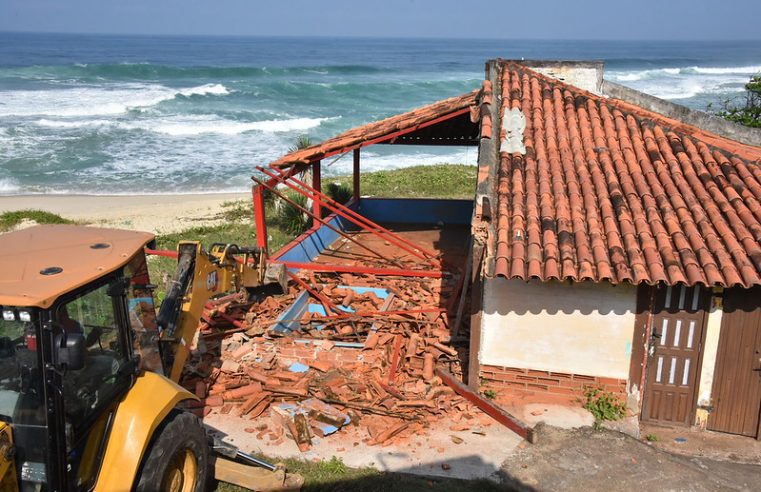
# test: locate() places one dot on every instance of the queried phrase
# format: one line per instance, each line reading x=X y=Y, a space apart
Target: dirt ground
x=587 y=459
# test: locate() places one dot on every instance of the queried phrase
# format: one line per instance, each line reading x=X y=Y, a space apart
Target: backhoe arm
x=201 y=275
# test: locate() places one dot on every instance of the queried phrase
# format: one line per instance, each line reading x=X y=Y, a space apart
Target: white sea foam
x=749 y=70
x=95 y=101
x=199 y=125
x=684 y=83
x=204 y=90
x=8 y=187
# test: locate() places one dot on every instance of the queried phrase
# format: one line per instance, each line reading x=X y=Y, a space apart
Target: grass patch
x=9 y=220
x=436 y=181
x=334 y=476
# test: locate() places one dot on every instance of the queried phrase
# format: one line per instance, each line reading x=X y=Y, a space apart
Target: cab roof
x=41 y=263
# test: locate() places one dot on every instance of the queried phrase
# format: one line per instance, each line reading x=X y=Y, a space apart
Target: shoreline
x=160 y=214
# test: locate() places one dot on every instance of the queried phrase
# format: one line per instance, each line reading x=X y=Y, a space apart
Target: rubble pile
x=357 y=359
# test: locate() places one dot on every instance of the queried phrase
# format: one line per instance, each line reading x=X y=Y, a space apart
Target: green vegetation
x=339 y=192
x=490 y=394
x=301 y=142
x=436 y=181
x=651 y=438
x=603 y=405
x=334 y=475
x=748 y=114
x=8 y=220
x=290 y=216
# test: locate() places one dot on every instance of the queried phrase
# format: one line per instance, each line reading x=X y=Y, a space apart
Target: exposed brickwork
x=533 y=383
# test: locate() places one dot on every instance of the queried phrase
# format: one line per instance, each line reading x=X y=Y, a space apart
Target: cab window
x=92 y=388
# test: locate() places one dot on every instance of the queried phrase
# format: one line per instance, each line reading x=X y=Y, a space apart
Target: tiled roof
x=383 y=130
x=608 y=191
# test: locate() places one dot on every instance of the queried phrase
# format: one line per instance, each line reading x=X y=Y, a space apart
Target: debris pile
x=349 y=356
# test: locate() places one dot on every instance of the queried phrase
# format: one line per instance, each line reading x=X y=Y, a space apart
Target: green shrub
x=603 y=405
x=290 y=218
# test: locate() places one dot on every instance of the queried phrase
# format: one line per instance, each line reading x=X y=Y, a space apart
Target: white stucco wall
x=581 y=328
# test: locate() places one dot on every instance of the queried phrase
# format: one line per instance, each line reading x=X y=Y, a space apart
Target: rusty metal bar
x=358 y=219
x=326 y=224
x=327 y=304
x=259 y=217
x=318 y=267
x=488 y=407
x=317 y=185
x=162 y=252
x=355 y=176
x=368 y=224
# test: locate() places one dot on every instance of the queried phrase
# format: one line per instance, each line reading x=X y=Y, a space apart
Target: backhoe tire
x=178 y=457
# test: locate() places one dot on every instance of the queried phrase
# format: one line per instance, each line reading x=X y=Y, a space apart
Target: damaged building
x=612 y=242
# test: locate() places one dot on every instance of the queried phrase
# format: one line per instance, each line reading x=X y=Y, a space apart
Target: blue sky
x=527 y=19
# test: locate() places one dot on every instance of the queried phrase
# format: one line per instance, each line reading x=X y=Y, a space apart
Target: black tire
x=179 y=438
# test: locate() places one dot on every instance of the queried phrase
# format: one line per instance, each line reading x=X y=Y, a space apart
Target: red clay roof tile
x=610 y=191
x=384 y=129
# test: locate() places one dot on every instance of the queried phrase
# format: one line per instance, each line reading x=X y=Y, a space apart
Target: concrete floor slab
x=476 y=453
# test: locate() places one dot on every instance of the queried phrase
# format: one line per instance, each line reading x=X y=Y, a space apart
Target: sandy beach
x=154 y=213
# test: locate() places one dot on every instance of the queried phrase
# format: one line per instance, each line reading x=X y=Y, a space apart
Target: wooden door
x=736 y=392
x=674 y=355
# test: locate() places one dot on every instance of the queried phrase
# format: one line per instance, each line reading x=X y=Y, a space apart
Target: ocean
x=151 y=114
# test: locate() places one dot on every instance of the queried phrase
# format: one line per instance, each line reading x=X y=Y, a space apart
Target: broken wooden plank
x=254 y=478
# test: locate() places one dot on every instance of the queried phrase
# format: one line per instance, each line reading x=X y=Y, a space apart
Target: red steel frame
x=325 y=223
x=355 y=218
x=401 y=272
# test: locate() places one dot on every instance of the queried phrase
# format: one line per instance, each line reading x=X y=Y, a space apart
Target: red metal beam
x=399 y=272
x=488 y=407
x=259 y=217
x=325 y=223
x=162 y=252
x=317 y=185
x=389 y=136
x=329 y=306
x=355 y=176
x=357 y=219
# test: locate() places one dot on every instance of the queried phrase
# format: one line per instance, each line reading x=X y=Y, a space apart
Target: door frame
x=640 y=357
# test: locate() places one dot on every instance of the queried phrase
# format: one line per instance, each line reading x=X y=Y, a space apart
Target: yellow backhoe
x=89 y=371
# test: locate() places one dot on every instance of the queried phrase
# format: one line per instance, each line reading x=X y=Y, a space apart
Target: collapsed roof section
x=447 y=122
x=585 y=187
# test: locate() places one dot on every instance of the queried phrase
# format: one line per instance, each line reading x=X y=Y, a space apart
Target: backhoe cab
x=88 y=372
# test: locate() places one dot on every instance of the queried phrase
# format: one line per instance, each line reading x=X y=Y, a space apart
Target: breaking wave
x=96 y=101
x=190 y=125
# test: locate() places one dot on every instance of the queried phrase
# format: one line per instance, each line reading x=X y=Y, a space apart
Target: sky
x=506 y=19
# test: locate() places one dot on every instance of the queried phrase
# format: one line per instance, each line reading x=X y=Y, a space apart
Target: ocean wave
x=8 y=187
x=685 y=82
x=189 y=125
x=96 y=101
x=199 y=126
x=150 y=71
x=632 y=76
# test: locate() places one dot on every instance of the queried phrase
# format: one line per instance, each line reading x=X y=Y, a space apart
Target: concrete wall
x=587 y=75
x=579 y=328
x=705 y=121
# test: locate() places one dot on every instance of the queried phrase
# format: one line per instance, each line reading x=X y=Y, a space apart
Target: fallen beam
x=487 y=406
x=257 y=479
x=318 y=267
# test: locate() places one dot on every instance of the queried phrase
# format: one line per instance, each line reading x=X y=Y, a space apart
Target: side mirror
x=70 y=351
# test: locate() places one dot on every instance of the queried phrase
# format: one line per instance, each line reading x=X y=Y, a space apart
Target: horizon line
x=322 y=36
